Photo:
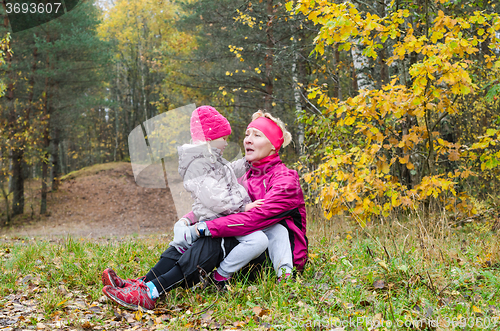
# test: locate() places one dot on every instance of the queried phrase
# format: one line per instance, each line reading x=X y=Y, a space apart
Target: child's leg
x=249 y=248
x=279 y=249
x=167 y=261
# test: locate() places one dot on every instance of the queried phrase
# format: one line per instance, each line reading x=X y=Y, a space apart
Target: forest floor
x=98 y=201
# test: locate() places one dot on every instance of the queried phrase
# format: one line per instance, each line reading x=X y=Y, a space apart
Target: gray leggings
x=274 y=238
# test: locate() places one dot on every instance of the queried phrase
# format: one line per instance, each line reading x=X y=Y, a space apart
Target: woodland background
x=393 y=105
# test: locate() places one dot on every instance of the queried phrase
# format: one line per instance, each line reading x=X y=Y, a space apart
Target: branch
x=314 y=107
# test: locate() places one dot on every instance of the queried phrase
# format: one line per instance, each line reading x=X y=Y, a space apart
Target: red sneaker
x=109 y=277
x=135 y=297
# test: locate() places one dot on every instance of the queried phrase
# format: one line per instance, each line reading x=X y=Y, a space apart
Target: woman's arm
x=281 y=199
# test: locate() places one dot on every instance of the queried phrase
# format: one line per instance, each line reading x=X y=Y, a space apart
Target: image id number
x=33 y=8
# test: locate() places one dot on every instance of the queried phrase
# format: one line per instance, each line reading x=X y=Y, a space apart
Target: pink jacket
x=284 y=203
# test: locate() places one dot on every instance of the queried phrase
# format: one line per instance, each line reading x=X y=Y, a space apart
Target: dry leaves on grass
x=21 y=311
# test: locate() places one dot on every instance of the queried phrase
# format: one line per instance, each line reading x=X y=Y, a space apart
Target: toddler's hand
x=182 y=235
x=256 y=203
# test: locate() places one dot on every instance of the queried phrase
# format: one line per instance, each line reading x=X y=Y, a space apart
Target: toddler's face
x=220 y=143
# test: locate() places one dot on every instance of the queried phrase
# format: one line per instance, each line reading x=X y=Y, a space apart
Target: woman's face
x=257 y=146
x=220 y=143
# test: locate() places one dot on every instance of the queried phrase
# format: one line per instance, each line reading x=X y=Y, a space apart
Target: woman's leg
x=279 y=249
x=250 y=247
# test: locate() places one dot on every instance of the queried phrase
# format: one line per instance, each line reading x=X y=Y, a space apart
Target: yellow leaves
x=385 y=167
x=351 y=196
x=245 y=19
x=350 y=120
x=355 y=178
x=419 y=85
x=454 y=155
x=400 y=51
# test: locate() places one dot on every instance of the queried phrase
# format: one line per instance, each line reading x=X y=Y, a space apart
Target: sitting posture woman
x=208 y=243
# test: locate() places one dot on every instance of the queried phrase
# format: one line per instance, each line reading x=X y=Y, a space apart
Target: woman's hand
x=256 y=203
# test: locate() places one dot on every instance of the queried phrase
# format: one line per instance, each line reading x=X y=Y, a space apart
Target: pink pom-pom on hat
x=208 y=124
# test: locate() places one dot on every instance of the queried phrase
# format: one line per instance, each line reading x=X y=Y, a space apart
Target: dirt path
x=101 y=201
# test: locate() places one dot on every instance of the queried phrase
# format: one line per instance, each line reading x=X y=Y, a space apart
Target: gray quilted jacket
x=212 y=181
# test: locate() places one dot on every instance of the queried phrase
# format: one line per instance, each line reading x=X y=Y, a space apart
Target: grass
x=406 y=274
x=91 y=170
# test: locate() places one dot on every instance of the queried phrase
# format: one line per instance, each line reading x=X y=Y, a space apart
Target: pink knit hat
x=208 y=124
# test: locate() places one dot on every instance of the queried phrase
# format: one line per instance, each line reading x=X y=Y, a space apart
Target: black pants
x=176 y=269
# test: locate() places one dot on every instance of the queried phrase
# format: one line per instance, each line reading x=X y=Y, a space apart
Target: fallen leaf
x=87 y=325
x=239 y=324
x=383 y=265
x=348 y=305
x=61 y=303
x=364 y=303
x=252 y=288
x=403 y=268
x=379 y=284
x=257 y=310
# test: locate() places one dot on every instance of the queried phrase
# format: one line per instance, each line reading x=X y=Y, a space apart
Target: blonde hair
x=287 y=136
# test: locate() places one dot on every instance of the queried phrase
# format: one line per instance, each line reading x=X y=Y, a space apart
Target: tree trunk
x=55 y=172
x=336 y=59
x=11 y=180
x=117 y=108
x=60 y=148
x=298 y=105
x=361 y=67
x=46 y=140
x=269 y=56
x=17 y=149
x=5 y=194
x=17 y=181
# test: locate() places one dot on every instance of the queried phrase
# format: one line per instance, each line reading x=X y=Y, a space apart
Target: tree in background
x=250 y=55
x=144 y=39
x=52 y=75
x=388 y=148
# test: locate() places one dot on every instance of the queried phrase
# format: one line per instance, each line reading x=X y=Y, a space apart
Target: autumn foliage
x=384 y=150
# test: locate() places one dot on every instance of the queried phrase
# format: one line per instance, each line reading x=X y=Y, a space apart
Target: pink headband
x=270 y=129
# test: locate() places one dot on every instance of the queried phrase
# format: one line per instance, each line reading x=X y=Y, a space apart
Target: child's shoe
x=135 y=297
x=220 y=282
x=109 y=277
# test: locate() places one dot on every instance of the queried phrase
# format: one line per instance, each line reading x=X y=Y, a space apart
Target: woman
x=268 y=179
